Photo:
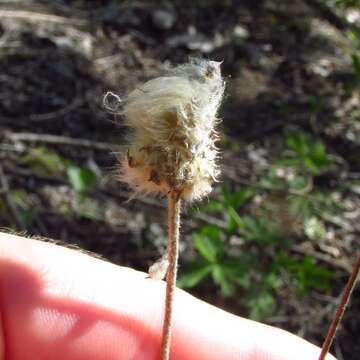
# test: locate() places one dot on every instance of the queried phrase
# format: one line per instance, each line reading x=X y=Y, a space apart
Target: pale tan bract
x=173 y=120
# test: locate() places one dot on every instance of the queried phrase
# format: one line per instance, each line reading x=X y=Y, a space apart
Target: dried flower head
x=173 y=118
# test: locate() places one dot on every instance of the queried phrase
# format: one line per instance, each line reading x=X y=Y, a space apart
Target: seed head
x=173 y=119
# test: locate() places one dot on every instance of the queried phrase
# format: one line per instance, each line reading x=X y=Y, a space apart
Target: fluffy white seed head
x=173 y=119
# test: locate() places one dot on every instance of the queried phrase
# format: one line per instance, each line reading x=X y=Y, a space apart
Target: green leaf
x=238 y=198
x=23 y=202
x=314 y=102
x=212 y=206
x=271 y=181
x=272 y=281
x=260 y=305
x=231 y=225
x=315 y=276
x=206 y=246
x=194 y=274
x=304 y=152
x=21 y=198
x=222 y=279
x=45 y=162
x=306 y=272
x=314 y=204
x=319 y=156
x=237 y=271
x=311 y=165
x=212 y=232
x=27 y=216
x=317 y=160
x=300 y=206
x=356 y=66
x=81 y=179
x=289 y=161
x=298 y=142
x=343 y=4
x=298 y=182
x=260 y=230
x=235 y=217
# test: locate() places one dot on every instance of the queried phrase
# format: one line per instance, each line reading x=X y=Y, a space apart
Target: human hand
x=57 y=303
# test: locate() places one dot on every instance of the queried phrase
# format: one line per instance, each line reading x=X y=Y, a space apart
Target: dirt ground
x=58 y=59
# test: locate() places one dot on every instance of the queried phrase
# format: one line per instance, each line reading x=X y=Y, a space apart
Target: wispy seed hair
x=173 y=122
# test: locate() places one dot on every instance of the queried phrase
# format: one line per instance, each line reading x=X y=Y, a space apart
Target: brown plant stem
x=340 y=310
x=174 y=203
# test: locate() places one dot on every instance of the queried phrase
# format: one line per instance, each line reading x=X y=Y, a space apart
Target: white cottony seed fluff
x=158 y=270
x=173 y=120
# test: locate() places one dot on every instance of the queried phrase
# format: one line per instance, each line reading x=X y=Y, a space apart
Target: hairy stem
x=340 y=310
x=173 y=250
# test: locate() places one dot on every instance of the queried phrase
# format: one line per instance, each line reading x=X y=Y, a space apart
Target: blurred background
x=278 y=236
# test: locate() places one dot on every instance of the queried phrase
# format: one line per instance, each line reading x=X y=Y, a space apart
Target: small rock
x=353 y=16
x=240 y=32
x=356 y=189
x=163 y=19
x=196 y=41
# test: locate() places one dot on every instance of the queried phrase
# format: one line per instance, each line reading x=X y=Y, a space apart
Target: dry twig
x=340 y=264
x=340 y=310
x=60 y=140
x=58 y=113
x=36 y=16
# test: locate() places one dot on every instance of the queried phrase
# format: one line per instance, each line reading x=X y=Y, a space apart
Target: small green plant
x=304 y=153
x=24 y=204
x=314 y=204
x=227 y=199
x=249 y=272
x=214 y=261
x=343 y=4
x=227 y=204
x=81 y=179
x=306 y=274
x=260 y=299
x=45 y=162
x=255 y=267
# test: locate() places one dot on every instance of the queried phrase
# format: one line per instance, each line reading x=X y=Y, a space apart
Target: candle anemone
x=173 y=119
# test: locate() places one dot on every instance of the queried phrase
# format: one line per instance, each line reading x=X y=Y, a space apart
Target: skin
x=57 y=303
